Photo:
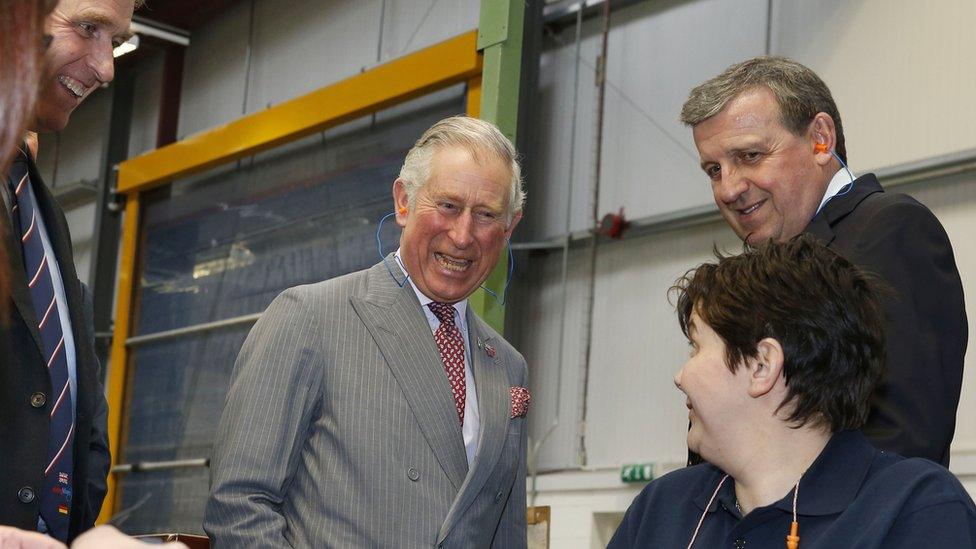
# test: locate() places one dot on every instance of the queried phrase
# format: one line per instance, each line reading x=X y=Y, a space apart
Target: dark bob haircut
x=825 y=312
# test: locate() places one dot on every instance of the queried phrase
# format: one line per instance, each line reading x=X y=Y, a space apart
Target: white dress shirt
x=471 y=428
x=841 y=179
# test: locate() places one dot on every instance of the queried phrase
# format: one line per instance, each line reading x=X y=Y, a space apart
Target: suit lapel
x=19 y=292
x=392 y=315
x=839 y=206
x=821 y=229
x=494 y=406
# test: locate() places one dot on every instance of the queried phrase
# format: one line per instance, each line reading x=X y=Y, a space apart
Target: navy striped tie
x=56 y=498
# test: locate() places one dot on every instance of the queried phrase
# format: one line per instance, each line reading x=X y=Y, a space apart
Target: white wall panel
x=213 y=72
x=657 y=52
x=411 y=25
x=562 y=170
x=317 y=43
x=302 y=46
x=537 y=293
x=144 y=126
x=634 y=411
x=901 y=71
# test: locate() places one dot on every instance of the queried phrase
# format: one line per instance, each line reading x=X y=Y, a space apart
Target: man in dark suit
x=771 y=141
x=53 y=440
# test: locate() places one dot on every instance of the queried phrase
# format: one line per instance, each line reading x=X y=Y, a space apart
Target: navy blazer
x=913 y=408
x=23 y=372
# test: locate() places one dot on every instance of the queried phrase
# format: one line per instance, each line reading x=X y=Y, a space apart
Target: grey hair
x=800 y=93
x=477 y=137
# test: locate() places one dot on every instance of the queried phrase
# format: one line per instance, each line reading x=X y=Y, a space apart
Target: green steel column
x=500 y=29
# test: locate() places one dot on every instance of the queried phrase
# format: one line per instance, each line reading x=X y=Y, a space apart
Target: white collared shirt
x=471 y=428
x=841 y=179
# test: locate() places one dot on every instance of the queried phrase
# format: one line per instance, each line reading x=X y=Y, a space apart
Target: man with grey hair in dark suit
x=376 y=409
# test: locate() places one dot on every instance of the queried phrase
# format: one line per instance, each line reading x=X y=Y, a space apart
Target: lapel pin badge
x=490 y=350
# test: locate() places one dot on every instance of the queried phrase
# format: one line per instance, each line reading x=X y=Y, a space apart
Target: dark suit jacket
x=913 y=409
x=23 y=371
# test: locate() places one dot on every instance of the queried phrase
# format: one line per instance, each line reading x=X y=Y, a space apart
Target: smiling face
x=766 y=181
x=79 y=59
x=716 y=397
x=456 y=228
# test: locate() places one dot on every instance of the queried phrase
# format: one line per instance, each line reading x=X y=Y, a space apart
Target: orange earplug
x=820 y=147
x=402 y=211
x=793 y=540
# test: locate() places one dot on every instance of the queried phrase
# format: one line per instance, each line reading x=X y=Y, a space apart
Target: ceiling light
x=127 y=46
x=148 y=27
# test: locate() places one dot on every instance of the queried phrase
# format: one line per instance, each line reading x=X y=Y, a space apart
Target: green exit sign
x=637 y=472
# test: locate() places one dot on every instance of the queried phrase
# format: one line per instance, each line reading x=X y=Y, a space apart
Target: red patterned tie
x=451 y=346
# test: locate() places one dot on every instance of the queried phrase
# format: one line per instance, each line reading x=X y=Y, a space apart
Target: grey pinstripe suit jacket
x=340 y=429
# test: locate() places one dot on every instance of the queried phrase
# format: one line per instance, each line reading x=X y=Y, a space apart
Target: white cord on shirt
x=796 y=492
x=707 y=507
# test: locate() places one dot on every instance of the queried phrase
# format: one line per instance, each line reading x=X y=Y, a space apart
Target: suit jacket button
x=498 y=497
x=38 y=399
x=413 y=474
x=25 y=494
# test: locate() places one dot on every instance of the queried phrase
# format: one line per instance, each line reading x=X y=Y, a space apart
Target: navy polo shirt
x=853 y=495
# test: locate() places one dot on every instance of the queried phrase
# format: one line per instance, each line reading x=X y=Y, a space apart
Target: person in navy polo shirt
x=787 y=343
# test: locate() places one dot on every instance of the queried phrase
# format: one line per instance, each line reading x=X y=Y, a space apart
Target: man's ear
x=824 y=135
x=766 y=367
x=401 y=201
x=511 y=226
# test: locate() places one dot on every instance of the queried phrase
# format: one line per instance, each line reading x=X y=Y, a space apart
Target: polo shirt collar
x=827 y=488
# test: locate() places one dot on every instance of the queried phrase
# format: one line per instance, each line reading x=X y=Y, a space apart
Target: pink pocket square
x=521 y=399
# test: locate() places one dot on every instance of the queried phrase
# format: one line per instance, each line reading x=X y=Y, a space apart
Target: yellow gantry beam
x=455 y=60
x=117 y=374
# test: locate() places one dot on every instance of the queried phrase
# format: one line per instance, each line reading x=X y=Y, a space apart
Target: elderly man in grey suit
x=376 y=409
